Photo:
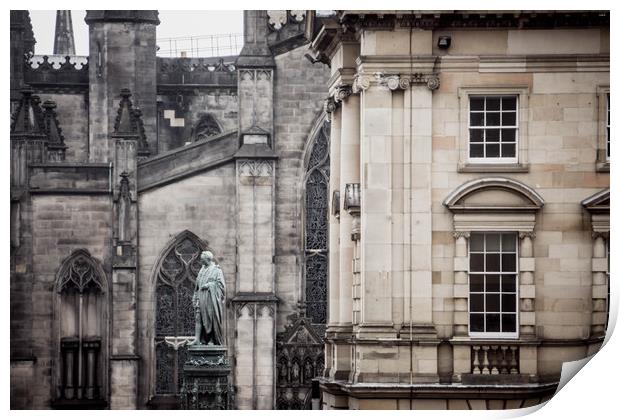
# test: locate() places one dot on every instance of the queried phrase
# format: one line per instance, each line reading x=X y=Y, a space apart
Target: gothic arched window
x=207 y=126
x=81 y=316
x=317 y=228
x=175 y=279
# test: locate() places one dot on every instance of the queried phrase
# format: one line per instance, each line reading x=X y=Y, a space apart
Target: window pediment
x=599 y=202
x=494 y=194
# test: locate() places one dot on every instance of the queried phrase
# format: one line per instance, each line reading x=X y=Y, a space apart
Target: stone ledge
x=437 y=390
x=493 y=168
x=603 y=166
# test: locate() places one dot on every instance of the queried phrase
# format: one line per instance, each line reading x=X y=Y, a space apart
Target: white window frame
x=494 y=335
x=608 y=127
x=494 y=165
x=485 y=127
x=603 y=158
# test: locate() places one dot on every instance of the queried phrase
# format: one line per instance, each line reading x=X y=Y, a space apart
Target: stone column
x=461 y=285
x=375 y=217
x=122 y=55
x=254 y=300
x=599 y=284
x=335 y=193
x=460 y=348
x=527 y=289
x=333 y=289
x=528 y=350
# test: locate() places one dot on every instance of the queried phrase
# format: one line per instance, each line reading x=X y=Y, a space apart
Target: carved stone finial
x=28 y=119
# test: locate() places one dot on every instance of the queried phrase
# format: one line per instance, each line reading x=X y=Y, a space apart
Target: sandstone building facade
x=434 y=234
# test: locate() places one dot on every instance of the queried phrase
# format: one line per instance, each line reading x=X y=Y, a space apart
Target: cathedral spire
x=63 y=38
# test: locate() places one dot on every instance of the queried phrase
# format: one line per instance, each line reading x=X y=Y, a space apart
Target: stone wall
x=174 y=132
x=300 y=89
x=72 y=111
x=203 y=204
x=61 y=225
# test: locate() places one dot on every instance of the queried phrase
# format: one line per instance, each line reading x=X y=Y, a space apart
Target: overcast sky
x=173 y=24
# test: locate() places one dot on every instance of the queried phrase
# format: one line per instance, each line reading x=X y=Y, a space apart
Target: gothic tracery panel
x=299 y=348
x=174 y=314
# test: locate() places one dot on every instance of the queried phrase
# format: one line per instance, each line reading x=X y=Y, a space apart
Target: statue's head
x=206 y=257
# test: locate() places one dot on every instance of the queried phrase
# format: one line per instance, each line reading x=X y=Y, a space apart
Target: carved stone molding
x=343 y=92
x=397 y=81
x=461 y=234
x=329 y=105
x=360 y=82
x=600 y=234
x=352 y=198
x=255 y=168
x=527 y=234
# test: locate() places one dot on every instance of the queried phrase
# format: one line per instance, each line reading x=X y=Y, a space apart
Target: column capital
x=404 y=81
x=527 y=234
x=461 y=234
x=343 y=91
x=600 y=234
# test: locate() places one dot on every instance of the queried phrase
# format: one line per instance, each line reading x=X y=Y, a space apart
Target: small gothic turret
x=28 y=138
x=56 y=141
x=27 y=120
x=63 y=37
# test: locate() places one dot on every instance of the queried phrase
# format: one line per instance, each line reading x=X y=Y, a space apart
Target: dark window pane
x=492 y=135
x=492 y=263
x=508 y=150
x=509 y=302
x=509 y=262
x=476 y=322
x=476 y=282
x=492 y=283
x=509 y=118
x=492 y=302
x=492 y=118
x=509 y=103
x=492 y=242
x=476 y=302
x=477 y=119
x=492 y=323
x=475 y=135
x=476 y=103
x=477 y=242
x=509 y=283
x=509 y=243
x=492 y=104
x=493 y=150
x=477 y=150
x=508 y=134
x=476 y=262
x=509 y=323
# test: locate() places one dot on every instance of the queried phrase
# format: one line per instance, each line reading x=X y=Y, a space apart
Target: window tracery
x=174 y=314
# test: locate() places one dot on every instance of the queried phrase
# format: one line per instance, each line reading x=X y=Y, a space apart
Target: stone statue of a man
x=208 y=302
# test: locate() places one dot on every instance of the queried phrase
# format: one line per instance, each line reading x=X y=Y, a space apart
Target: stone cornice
x=487 y=19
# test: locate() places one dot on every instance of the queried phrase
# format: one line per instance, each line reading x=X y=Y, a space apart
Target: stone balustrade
x=494 y=359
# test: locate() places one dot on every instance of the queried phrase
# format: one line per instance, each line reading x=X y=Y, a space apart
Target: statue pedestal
x=205 y=379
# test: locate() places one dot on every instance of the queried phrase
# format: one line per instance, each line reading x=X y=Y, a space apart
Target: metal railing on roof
x=200 y=46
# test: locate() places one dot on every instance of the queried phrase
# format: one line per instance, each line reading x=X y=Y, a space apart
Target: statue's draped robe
x=210 y=295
